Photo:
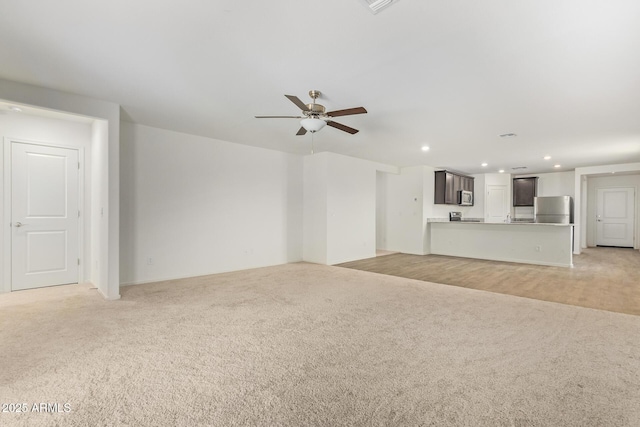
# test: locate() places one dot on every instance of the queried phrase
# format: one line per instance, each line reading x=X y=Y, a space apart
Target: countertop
x=476 y=221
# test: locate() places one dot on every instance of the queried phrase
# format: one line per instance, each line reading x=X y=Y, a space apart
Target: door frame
x=635 y=212
x=6 y=284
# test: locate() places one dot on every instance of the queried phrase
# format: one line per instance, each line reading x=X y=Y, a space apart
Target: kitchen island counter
x=508 y=223
x=518 y=241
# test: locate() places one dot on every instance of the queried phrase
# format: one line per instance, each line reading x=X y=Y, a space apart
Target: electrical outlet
x=538 y=249
x=150 y=261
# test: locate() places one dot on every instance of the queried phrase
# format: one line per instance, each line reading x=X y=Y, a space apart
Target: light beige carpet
x=304 y=344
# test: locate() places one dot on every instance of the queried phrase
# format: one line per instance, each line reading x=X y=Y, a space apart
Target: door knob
x=19 y=224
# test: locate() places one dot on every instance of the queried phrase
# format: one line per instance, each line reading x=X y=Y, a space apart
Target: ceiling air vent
x=376 y=6
x=518 y=167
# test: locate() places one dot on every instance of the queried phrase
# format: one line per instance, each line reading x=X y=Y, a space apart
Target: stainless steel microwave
x=465 y=198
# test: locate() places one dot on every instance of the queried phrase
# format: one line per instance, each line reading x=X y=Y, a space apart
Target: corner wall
x=340 y=208
x=194 y=206
x=315 y=209
x=351 y=208
x=404 y=227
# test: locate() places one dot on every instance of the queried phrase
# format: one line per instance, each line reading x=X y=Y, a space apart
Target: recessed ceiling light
x=15 y=109
x=425 y=148
x=556 y=166
x=501 y=171
x=484 y=165
x=508 y=135
x=547 y=157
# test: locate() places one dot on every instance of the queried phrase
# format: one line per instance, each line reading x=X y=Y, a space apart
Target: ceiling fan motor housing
x=315 y=110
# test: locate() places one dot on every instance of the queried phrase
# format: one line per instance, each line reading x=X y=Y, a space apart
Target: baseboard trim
x=165 y=279
x=106 y=297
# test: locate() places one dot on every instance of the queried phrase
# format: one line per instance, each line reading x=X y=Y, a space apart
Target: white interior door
x=497 y=203
x=44 y=216
x=615 y=217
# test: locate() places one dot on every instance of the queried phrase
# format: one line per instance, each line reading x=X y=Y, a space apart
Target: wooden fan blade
x=301 y=131
x=347 y=112
x=278 y=117
x=301 y=105
x=342 y=127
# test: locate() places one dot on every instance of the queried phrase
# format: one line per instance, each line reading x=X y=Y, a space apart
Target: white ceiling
x=564 y=75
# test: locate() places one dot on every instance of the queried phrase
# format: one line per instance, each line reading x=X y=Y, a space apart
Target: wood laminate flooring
x=602 y=278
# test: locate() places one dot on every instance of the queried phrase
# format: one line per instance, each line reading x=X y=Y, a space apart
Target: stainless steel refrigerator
x=553 y=210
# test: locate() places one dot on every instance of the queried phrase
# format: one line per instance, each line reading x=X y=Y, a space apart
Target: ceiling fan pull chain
x=312 y=133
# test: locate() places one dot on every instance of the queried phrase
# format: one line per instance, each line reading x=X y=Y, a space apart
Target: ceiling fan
x=315 y=116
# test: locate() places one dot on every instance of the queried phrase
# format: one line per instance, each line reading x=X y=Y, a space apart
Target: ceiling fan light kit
x=312 y=125
x=315 y=116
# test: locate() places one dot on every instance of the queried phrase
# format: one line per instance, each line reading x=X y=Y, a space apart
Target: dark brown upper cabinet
x=524 y=191
x=447 y=186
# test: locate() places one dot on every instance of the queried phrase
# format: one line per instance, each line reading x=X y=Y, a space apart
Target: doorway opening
x=46 y=188
x=49 y=117
x=44 y=197
x=611 y=210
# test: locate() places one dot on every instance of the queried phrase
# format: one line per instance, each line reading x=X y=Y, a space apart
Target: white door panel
x=497 y=203
x=44 y=216
x=46 y=185
x=46 y=251
x=615 y=217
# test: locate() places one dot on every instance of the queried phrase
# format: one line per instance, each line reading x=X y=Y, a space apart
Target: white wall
x=99 y=202
x=593 y=184
x=556 y=184
x=351 y=208
x=477 y=210
x=381 y=210
x=404 y=211
x=315 y=209
x=194 y=206
x=108 y=239
x=340 y=194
